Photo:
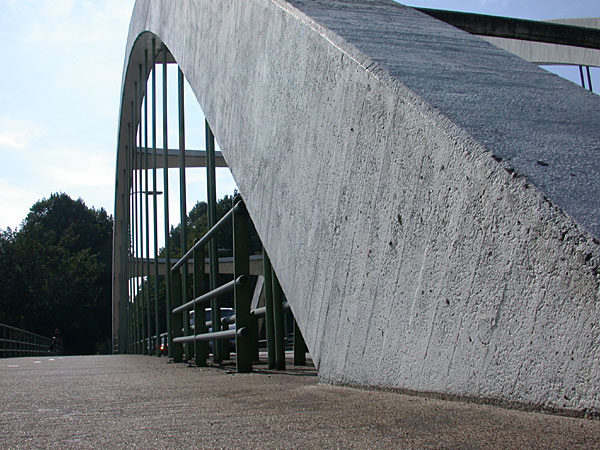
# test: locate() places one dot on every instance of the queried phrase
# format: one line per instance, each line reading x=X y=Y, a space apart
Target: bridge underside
x=430 y=202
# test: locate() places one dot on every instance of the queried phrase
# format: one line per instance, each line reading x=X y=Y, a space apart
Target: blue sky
x=60 y=87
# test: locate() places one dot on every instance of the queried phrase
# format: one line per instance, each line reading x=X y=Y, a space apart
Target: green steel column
x=200 y=348
x=147 y=208
x=128 y=236
x=168 y=288
x=278 y=322
x=130 y=202
x=123 y=265
x=155 y=202
x=136 y=303
x=127 y=243
x=140 y=283
x=244 y=348
x=176 y=297
x=269 y=324
x=213 y=256
x=299 y=346
x=183 y=207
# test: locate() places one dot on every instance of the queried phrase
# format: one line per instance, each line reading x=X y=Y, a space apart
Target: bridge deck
x=145 y=402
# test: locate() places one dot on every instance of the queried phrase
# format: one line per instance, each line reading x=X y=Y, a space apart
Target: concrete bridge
x=429 y=202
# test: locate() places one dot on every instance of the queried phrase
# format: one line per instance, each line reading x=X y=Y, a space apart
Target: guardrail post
x=269 y=324
x=177 y=325
x=9 y=344
x=279 y=326
x=200 y=348
x=242 y=295
x=5 y=343
x=299 y=346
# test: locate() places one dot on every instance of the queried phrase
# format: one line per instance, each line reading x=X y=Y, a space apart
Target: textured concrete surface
x=430 y=202
x=144 y=402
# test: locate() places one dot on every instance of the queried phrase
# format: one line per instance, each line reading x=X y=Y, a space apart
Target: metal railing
x=15 y=342
x=245 y=332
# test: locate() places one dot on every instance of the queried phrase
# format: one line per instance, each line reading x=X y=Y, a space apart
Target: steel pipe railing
x=221 y=290
x=216 y=336
x=247 y=340
x=206 y=238
x=16 y=342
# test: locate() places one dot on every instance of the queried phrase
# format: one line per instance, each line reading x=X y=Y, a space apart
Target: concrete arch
x=430 y=232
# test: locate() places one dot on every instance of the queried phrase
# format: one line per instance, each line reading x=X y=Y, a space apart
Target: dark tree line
x=57 y=273
x=56 y=269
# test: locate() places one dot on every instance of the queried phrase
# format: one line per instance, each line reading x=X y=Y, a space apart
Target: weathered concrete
x=430 y=202
x=112 y=402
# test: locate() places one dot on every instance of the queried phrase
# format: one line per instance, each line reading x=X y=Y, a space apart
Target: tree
x=58 y=267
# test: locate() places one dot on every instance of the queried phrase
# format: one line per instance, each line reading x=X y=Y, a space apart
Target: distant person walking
x=57 y=343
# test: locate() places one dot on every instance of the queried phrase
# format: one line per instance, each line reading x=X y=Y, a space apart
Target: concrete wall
x=429 y=201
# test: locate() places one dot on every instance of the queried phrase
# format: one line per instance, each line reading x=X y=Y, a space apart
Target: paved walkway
x=145 y=402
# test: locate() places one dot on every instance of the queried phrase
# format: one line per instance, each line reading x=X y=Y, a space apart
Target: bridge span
x=430 y=203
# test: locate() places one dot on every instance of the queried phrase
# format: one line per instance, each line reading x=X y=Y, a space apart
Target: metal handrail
x=207 y=237
x=214 y=336
x=221 y=290
x=258 y=312
x=17 y=342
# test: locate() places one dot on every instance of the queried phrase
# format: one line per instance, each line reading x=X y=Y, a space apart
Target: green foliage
x=57 y=272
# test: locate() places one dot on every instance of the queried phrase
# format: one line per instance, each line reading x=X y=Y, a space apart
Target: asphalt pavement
x=100 y=402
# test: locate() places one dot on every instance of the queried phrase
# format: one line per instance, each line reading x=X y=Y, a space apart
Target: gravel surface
x=146 y=402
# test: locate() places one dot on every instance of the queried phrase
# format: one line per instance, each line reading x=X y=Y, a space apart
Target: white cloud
x=493 y=3
x=79 y=168
x=17 y=134
x=14 y=204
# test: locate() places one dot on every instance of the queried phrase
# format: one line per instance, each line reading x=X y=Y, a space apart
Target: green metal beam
x=213 y=258
x=269 y=324
x=244 y=347
x=182 y=204
x=147 y=210
x=168 y=287
x=279 y=326
x=200 y=347
x=155 y=202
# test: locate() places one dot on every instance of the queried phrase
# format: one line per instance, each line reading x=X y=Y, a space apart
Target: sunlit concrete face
x=430 y=202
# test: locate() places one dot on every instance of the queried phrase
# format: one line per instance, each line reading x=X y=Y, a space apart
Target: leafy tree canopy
x=57 y=270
